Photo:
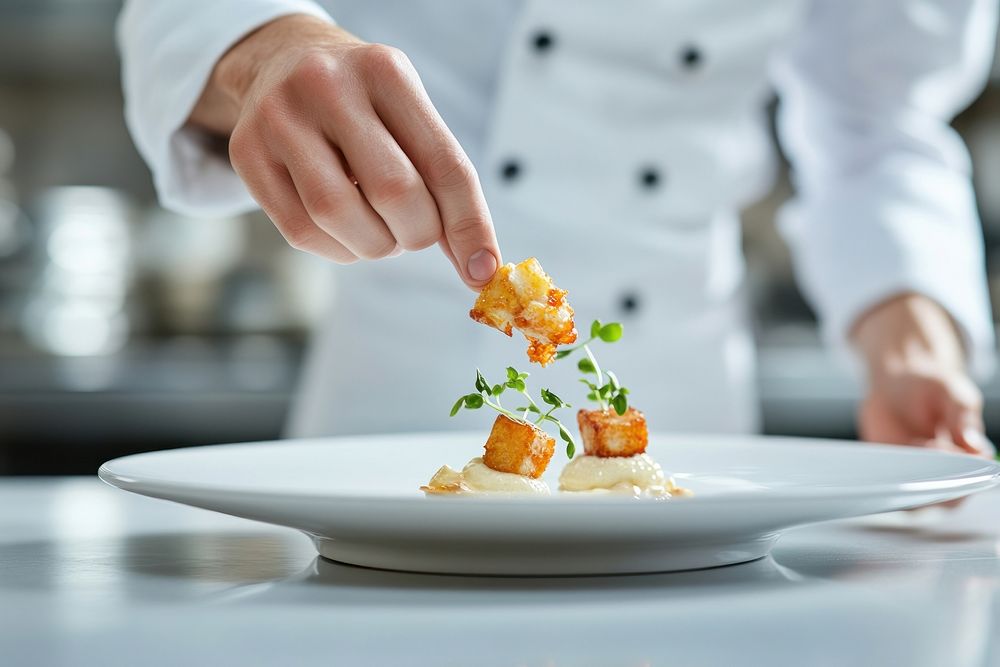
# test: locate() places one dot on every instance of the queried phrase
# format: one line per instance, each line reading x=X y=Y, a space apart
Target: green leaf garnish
x=516 y=381
x=611 y=332
x=553 y=400
x=481 y=384
x=610 y=394
x=568 y=439
x=613 y=380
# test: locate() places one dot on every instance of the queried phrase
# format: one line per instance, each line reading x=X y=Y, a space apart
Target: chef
x=616 y=143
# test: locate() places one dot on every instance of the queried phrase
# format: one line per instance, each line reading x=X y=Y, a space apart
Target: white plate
x=358 y=499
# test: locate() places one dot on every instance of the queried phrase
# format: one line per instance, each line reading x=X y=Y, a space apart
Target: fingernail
x=397 y=252
x=976 y=438
x=482 y=265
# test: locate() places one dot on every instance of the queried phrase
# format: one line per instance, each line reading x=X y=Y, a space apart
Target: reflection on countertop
x=109 y=576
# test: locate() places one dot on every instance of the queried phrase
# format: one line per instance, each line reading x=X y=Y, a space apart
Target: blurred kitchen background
x=126 y=328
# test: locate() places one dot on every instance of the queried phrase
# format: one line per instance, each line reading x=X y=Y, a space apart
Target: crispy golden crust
x=518 y=447
x=605 y=433
x=541 y=353
x=522 y=296
x=496 y=301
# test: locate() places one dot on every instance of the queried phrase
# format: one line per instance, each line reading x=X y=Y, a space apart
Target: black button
x=691 y=57
x=510 y=170
x=543 y=41
x=630 y=302
x=650 y=178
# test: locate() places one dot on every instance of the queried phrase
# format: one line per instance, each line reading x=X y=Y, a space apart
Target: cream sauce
x=477 y=477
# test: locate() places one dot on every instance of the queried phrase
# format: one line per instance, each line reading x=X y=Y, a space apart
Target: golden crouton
x=518 y=447
x=522 y=296
x=605 y=433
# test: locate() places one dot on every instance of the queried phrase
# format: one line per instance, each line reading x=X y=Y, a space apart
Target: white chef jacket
x=617 y=143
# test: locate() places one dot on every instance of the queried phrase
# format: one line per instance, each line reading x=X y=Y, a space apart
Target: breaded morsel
x=518 y=447
x=605 y=433
x=522 y=296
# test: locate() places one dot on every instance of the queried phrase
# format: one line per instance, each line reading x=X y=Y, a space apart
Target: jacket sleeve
x=884 y=197
x=168 y=50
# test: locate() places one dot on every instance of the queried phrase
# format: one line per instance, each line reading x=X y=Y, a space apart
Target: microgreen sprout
x=605 y=393
x=489 y=395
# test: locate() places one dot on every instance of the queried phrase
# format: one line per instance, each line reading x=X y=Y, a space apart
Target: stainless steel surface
x=91 y=575
x=66 y=415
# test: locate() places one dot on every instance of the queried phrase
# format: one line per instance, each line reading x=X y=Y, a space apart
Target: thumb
x=965 y=427
x=469 y=239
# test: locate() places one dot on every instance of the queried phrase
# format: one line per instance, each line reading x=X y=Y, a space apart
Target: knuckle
x=271 y=110
x=299 y=234
x=420 y=239
x=324 y=204
x=450 y=169
x=381 y=60
x=971 y=397
x=241 y=147
x=378 y=250
x=314 y=70
x=392 y=187
x=468 y=229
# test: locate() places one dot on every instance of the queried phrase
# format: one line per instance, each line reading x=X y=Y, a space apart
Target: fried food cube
x=605 y=433
x=518 y=447
x=522 y=296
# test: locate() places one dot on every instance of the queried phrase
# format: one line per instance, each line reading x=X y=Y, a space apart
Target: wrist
x=908 y=332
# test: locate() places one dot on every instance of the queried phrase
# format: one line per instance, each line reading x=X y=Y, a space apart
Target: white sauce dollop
x=638 y=476
x=477 y=477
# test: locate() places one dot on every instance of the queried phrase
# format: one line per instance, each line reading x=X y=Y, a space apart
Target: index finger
x=404 y=107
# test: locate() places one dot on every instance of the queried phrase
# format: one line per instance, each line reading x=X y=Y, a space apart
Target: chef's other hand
x=339 y=143
x=919 y=392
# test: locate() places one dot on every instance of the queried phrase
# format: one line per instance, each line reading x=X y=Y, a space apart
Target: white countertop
x=93 y=575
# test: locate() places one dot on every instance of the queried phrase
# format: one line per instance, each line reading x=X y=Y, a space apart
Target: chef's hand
x=339 y=143
x=919 y=392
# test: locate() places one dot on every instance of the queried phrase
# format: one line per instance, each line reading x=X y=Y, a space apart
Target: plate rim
x=970 y=482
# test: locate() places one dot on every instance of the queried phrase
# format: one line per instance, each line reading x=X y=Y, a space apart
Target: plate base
x=548 y=559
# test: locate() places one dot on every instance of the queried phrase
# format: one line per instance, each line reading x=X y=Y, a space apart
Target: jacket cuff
x=885 y=234
x=165 y=75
